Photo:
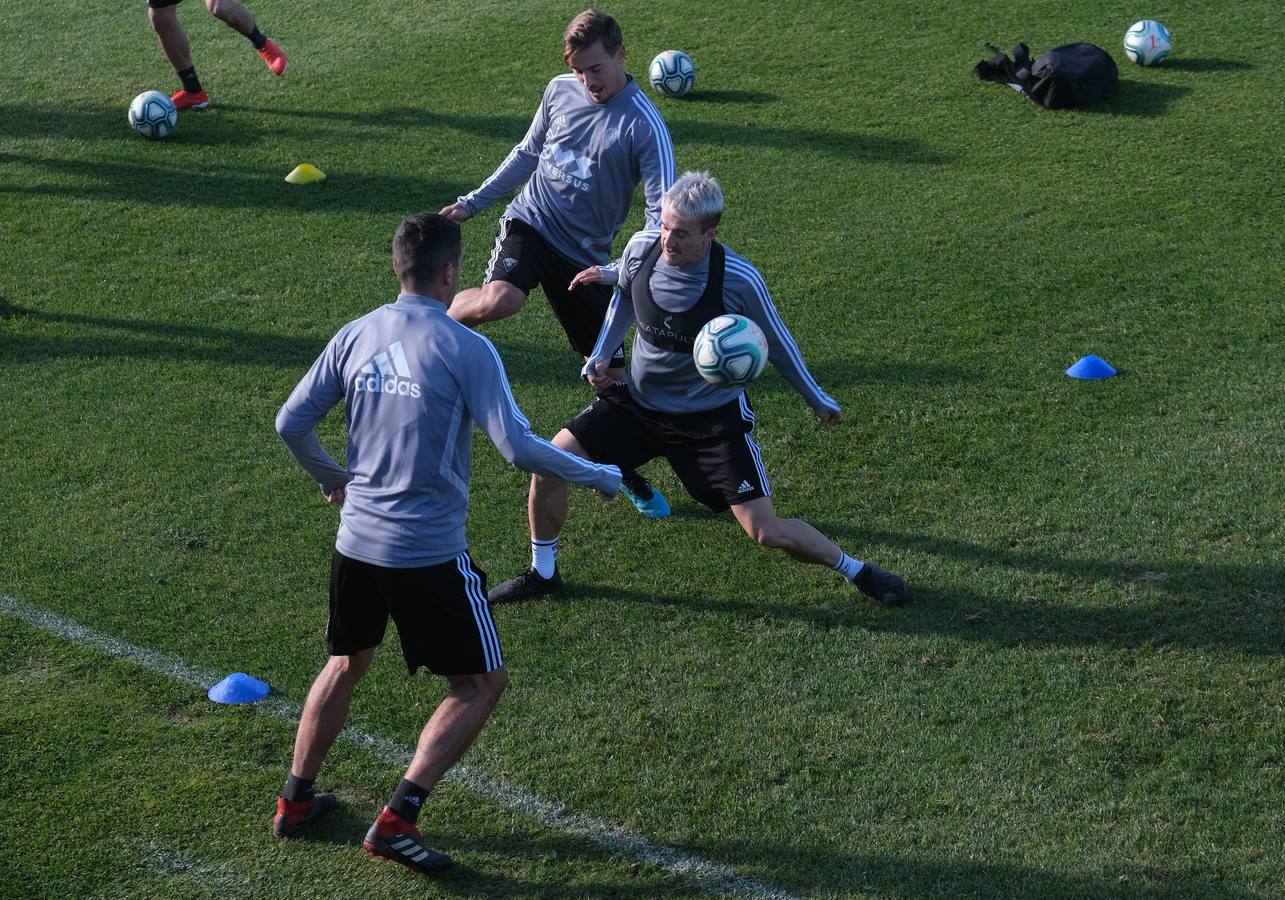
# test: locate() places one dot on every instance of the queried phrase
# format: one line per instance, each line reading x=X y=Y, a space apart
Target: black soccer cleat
x=886 y=587
x=293 y=816
x=392 y=837
x=527 y=586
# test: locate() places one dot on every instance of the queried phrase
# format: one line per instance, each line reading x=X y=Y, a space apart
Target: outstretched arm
x=748 y=295
x=511 y=174
x=490 y=402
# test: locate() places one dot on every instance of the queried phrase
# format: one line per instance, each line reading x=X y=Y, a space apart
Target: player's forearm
x=313 y=458
x=540 y=457
x=517 y=167
x=620 y=315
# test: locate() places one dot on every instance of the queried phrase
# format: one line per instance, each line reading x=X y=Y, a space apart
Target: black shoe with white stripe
x=886 y=587
x=527 y=586
x=392 y=837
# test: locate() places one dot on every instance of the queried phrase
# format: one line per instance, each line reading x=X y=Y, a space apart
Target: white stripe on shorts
x=748 y=415
x=481 y=613
x=495 y=251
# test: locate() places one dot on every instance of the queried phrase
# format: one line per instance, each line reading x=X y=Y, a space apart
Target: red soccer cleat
x=186 y=100
x=392 y=837
x=272 y=55
x=293 y=816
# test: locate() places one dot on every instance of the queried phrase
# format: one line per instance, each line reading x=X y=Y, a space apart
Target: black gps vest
x=671 y=330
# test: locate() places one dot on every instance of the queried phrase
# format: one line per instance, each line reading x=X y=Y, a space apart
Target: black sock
x=636 y=483
x=299 y=788
x=191 y=83
x=258 y=38
x=407 y=800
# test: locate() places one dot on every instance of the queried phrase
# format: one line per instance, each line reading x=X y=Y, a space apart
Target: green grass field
x=1083 y=697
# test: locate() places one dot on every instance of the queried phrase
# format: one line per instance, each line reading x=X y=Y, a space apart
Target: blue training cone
x=1092 y=367
x=238 y=688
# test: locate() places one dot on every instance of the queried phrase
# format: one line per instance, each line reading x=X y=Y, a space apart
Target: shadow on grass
x=751 y=97
x=226 y=187
x=512 y=128
x=1138 y=98
x=102 y=337
x=1207 y=64
x=826 y=872
x=801 y=870
x=1214 y=607
x=530 y=363
x=848 y=146
x=550 y=852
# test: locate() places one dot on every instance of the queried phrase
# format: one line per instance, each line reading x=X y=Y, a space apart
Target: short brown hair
x=591 y=26
x=423 y=246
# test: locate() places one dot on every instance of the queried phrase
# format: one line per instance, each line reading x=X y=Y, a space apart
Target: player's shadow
x=1209 y=606
x=347 y=825
x=227 y=187
x=105 y=337
x=110 y=124
x=822 y=871
x=718 y=97
x=844 y=145
x=401 y=119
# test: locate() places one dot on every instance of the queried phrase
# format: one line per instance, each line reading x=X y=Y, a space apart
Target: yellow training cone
x=305 y=173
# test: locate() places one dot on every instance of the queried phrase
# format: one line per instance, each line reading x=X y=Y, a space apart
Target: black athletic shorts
x=157 y=4
x=524 y=259
x=441 y=614
x=712 y=452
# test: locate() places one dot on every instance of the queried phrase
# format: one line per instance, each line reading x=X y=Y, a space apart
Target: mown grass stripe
x=711 y=877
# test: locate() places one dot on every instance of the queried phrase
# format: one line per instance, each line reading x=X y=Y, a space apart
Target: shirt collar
x=408 y=299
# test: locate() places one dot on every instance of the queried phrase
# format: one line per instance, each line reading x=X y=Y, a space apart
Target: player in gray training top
x=594 y=137
x=413 y=382
x=672 y=281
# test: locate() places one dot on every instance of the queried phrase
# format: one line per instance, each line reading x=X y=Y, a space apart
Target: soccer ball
x=152 y=114
x=672 y=73
x=1147 y=42
x=730 y=351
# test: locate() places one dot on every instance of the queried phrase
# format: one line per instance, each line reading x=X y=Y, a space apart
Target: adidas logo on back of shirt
x=387 y=373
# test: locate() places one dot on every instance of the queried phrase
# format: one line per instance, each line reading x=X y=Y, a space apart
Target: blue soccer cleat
x=654 y=507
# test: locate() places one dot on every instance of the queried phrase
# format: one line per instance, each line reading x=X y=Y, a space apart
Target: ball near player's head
x=594 y=49
x=427 y=255
x=689 y=215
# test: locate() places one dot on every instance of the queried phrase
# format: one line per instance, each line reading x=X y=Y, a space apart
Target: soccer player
x=173 y=40
x=594 y=137
x=671 y=282
x=414 y=382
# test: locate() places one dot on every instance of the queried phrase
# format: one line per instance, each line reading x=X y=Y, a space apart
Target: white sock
x=848 y=567
x=544 y=556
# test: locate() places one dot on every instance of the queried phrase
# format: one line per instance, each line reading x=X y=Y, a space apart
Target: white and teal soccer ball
x=672 y=73
x=1147 y=42
x=152 y=114
x=730 y=351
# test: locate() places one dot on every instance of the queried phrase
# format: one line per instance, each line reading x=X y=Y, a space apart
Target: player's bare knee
x=351 y=667
x=484 y=688
x=770 y=535
x=502 y=299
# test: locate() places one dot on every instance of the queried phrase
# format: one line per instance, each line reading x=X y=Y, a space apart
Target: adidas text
x=378 y=384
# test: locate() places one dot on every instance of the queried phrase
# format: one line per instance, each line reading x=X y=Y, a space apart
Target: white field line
x=711 y=877
x=180 y=864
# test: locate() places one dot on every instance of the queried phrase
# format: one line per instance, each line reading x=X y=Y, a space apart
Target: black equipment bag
x=1070 y=75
